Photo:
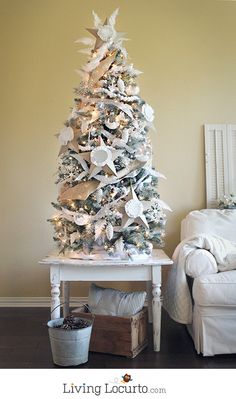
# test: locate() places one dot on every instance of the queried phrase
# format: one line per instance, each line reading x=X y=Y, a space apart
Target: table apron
x=96 y=273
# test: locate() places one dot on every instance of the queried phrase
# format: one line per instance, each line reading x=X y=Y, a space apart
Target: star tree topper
x=103 y=32
x=99 y=42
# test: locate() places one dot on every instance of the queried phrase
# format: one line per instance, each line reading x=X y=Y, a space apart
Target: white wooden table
x=64 y=270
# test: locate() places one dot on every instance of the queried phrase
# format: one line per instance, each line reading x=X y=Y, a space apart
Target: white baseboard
x=35 y=302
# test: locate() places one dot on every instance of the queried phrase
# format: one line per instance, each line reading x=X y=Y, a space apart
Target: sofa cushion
x=210 y=221
x=215 y=289
x=200 y=262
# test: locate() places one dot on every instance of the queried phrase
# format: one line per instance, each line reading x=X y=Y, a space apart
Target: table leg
x=156 y=306
x=149 y=299
x=55 y=292
x=66 y=298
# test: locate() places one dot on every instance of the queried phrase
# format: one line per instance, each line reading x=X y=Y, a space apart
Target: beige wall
x=187 y=50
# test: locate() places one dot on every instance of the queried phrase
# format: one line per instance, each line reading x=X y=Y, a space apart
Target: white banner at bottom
x=117 y=383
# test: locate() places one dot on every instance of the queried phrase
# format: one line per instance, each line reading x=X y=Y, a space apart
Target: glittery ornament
x=109 y=231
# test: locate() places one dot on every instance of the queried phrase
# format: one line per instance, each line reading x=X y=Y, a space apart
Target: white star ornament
x=102 y=158
x=132 y=211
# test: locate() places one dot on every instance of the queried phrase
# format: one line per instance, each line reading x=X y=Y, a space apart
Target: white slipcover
x=177 y=298
x=210 y=221
x=213 y=328
x=215 y=290
x=200 y=262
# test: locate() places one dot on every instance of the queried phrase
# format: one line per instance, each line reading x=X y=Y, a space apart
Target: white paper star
x=100 y=158
x=132 y=211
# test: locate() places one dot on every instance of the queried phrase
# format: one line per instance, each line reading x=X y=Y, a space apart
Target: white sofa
x=213 y=328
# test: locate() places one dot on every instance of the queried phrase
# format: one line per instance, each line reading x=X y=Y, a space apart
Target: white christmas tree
x=108 y=200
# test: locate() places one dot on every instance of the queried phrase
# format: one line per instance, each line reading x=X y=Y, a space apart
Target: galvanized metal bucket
x=69 y=347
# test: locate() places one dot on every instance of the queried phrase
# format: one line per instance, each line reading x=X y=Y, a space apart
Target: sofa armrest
x=200 y=262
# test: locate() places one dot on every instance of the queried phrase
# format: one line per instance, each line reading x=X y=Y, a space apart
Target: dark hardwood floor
x=24 y=343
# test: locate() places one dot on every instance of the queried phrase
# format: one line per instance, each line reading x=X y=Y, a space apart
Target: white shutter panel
x=220 y=158
x=216 y=168
x=231 y=134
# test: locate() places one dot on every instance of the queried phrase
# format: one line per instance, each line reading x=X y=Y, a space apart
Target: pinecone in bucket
x=74 y=323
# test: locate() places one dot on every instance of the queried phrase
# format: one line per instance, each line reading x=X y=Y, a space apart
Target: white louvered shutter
x=231 y=134
x=220 y=158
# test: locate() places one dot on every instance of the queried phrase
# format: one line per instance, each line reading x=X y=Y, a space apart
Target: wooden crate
x=124 y=336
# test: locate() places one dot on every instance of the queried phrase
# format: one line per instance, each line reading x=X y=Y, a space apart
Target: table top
x=157 y=258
